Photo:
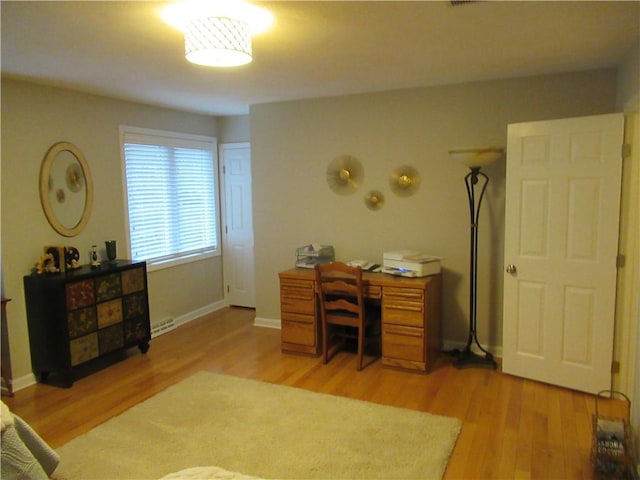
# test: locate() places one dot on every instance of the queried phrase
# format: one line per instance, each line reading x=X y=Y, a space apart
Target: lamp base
x=469 y=359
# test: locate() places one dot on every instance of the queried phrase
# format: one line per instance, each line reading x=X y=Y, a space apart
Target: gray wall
x=293 y=142
x=35 y=117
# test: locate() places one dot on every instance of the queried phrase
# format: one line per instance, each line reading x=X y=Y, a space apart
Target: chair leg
x=360 y=347
x=325 y=341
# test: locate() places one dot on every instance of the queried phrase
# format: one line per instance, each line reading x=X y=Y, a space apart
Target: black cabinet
x=83 y=317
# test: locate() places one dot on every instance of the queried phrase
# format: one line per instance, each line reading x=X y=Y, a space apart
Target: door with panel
x=238 y=263
x=561 y=237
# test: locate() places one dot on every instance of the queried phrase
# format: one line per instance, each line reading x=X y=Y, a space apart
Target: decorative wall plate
x=374 y=200
x=345 y=174
x=404 y=181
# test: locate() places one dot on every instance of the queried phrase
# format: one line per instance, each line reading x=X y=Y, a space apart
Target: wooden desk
x=411 y=331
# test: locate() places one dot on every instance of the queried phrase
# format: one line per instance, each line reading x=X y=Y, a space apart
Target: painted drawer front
x=110 y=338
x=136 y=330
x=79 y=294
x=82 y=321
x=109 y=313
x=84 y=348
x=132 y=280
x=108 y=287
x=134 y=306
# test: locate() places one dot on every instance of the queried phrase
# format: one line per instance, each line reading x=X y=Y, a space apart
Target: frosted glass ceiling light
x=218 y=33
x=217 y=42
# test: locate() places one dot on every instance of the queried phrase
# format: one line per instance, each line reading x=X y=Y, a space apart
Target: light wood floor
x=513 y=428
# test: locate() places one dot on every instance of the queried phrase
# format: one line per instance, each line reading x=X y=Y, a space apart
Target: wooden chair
x=342 y=307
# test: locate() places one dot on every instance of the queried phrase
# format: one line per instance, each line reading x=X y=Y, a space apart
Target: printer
x=410 y=263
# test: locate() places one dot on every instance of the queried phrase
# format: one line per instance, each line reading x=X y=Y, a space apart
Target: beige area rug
x=263 y=430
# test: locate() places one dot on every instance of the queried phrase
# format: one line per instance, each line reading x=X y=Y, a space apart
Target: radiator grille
x=163 y=326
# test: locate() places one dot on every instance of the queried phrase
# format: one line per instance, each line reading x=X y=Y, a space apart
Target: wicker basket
x=612 y=452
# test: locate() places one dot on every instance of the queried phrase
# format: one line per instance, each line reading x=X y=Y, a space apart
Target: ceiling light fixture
x=218 y=34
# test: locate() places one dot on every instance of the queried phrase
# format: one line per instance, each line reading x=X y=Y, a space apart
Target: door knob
x=511 y=268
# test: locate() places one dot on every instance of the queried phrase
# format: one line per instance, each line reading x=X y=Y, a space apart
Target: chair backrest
x=340 y=290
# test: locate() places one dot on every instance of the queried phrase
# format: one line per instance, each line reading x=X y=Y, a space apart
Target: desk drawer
x=298 y=329
x=403 y=307
x=406 y=343
x=297 y=296
x=297 y=305
x=296 y=288
x=373 y=291
x=411 y=316
x=404 y=294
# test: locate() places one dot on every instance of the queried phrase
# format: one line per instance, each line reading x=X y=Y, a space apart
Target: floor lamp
x=476 y=182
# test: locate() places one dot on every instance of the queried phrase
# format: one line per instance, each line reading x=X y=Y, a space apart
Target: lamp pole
x=474 y=180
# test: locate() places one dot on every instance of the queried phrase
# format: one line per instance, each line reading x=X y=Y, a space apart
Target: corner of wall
x=628 y=88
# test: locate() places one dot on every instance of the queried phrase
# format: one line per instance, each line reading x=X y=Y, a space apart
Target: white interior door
x=238 y=225
x=561 y=243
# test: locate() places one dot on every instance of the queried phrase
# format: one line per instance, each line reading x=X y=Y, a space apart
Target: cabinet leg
x=144 y=347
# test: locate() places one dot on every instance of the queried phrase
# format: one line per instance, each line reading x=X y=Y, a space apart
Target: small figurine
x=46 y=264
x=94 y=257
x=72 y=257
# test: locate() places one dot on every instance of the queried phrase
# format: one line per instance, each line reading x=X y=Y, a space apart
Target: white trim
x=208 y=142
x=23 y=382
x=448 y=345
x=155 y=265
x=222 y=199
x=152 y=132
x=268 y=323
x=227 y=264
x=200 y=312
x=30 y=379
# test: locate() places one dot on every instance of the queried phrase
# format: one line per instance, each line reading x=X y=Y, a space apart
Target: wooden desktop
x=411 y=316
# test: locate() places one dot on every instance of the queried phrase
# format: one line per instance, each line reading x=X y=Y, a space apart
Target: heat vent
x=461 y=2
x=163 y=326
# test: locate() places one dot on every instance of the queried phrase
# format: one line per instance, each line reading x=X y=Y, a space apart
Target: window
x=171 y=196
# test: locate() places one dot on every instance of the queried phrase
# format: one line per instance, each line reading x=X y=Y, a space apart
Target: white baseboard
x=448 y=345
x=20 y=383
x=30 y=379
x=200 y=312
x=268 y=323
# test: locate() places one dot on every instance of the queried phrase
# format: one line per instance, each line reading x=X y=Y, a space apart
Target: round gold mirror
x=66 y=190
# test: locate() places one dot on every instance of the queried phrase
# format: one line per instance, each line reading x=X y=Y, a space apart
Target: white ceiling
x=123 y=49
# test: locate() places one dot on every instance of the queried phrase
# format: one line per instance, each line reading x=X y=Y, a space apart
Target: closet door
x=238 y=225
x=561 y=243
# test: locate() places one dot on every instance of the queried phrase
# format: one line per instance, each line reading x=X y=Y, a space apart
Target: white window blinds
x=171 y=195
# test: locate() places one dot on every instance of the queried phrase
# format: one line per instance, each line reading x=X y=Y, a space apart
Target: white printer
x=410 y=263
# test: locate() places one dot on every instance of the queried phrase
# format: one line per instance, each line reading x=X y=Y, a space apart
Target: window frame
x=172 y=139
